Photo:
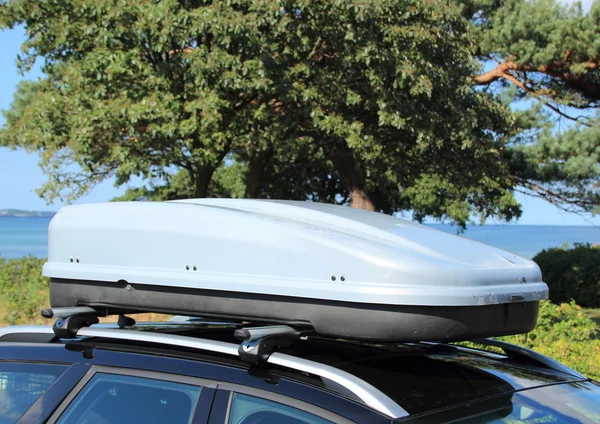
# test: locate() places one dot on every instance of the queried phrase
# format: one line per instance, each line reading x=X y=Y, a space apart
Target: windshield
x=562 y=403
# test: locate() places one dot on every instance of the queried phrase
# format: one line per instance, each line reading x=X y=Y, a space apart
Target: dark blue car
x=199 y=372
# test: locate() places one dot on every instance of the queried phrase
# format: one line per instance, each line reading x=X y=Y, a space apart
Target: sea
x=24 y=236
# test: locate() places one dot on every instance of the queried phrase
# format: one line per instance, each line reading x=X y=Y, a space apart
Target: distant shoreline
x=18 y=213
x=26 y=216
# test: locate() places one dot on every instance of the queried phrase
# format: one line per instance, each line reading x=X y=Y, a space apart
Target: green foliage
x=301 y=174
x=554 y=45
x=562 y=167
x=372 y=103
x=547 y=51
x=24 y=95
x=227 y=181
x=572 y=274
x=323 y=100
x=565 y=333
x=23 y=290
x=594 y=314
x=179 y=186
x=567 y=321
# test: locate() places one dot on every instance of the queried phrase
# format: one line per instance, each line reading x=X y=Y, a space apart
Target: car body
x=189 y=372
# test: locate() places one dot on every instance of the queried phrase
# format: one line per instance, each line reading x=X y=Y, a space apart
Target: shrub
x=572 y=274
x=567 y=321
x=567 y=334
x=564 y=333
x=23 y=290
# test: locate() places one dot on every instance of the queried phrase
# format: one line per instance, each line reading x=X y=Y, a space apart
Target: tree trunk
x=202 y=177
x=361 y=200
x=256 y=170
x=350 y=174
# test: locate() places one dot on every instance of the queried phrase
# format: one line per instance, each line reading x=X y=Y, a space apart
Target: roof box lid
x=285 y=248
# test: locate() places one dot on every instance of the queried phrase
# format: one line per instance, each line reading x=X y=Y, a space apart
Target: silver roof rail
x=368 y=394
x=25 y=329
x=21 y=329
x=515 y=352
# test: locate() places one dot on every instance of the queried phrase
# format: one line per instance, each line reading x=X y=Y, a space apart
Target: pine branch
x=505 y=71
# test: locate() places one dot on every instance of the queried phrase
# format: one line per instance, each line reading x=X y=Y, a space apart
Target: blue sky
x=20 y=174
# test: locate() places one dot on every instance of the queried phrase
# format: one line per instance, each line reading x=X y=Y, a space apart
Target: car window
x=253 y=410
x=562 y=403
x=116 y=399
x=21 y=385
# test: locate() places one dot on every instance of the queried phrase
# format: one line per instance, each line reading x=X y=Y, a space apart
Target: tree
x=299 y=173
x=122 y=98
x=562 y=168
x=381 y=91
x=313 y=101
x=549 y=52
x=24 y=95
x=547 y=49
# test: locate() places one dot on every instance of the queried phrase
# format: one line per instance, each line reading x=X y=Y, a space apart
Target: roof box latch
x=259 y=342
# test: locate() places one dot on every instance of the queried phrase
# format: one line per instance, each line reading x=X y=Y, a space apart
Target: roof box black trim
x=359 y=321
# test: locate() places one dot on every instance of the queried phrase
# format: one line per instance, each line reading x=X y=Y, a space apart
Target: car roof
x=420 y=377
x=426 y=377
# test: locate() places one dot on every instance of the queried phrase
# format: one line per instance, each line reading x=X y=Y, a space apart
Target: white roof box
x=346 y=272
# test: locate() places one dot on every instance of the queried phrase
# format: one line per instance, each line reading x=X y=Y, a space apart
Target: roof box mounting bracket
x=259 y=343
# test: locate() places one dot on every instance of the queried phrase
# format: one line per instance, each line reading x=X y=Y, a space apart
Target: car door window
x=21 y=384
x=247 y=409
x=115 y=399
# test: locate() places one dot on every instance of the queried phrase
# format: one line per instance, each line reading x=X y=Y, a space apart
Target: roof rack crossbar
x=65 y=312
x=68 y=322
x=71 y=319
x=368 y=394
x=259 y=343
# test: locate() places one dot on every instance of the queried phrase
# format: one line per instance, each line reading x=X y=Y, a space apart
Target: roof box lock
x=260 y=342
